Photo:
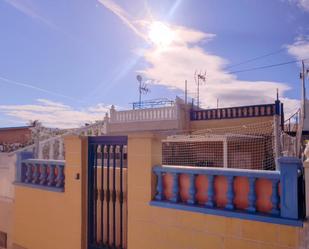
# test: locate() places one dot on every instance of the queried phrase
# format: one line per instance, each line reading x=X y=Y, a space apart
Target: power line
x=257 y=58
x=267 y=66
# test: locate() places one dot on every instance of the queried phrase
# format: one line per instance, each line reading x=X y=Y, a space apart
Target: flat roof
x=15 y=128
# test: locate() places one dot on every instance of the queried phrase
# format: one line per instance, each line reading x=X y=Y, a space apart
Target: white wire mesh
x=250 y=146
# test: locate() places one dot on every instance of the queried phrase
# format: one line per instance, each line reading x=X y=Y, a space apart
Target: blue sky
x=66 y=62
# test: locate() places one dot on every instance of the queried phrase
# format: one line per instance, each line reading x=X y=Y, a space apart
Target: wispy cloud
x=28 y=8
x=4 y=80
x=55 y=114
x=300 y=48
x=123 y=16
x=303 y=4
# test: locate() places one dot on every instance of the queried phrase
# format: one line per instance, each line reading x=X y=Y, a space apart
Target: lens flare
x=160 y=34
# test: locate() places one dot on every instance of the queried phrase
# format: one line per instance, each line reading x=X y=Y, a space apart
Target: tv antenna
x=143 y=88
x=199 y=78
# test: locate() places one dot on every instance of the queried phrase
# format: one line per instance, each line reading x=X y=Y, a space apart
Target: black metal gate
x=107 y=171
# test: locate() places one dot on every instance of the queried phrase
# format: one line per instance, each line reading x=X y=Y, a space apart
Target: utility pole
x=302 y=111
x=302 y=77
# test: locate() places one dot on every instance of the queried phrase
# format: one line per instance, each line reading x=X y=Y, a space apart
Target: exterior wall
x=219 y=123
x=15 y=135
x=7 y=176
x=153 y=119
x=53 y=220
x=143 y=126
x=6 y=214
x=154 y=227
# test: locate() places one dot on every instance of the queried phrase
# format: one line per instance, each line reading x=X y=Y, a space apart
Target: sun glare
x=160 y=34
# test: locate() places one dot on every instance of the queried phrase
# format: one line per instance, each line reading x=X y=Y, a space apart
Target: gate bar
x=102 y=193
x=95 y=192
x=114 y=196
x=108 y=193
x=121 y=195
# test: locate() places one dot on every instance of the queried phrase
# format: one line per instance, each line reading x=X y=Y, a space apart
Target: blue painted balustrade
x=285 y=185
x=37 y=173
x=237 y=112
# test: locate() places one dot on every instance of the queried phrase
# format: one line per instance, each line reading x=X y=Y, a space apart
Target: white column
x=37 y=143
x=225 y=153
x=113 y=114
x=51 y=150
x=306 y=168
x=40 y=150
x=99 y=130
x=106 y=124
x=61 y=149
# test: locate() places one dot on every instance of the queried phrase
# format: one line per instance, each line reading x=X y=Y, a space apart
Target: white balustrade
x=40 y=154
x=155 y=114
x=51 y=149
x=61 y=150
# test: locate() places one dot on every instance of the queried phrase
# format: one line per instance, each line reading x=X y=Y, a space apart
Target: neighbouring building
x=12 y=138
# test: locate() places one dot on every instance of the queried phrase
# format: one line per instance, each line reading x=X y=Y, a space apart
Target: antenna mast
x=142 y=89
x=197 y=78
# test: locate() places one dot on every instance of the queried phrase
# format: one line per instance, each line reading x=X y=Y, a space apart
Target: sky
x=66 y=62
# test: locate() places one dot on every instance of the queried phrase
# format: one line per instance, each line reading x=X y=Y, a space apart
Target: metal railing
x=53 y=147
x=291 y=124
x=155 y=103
x=235 y=112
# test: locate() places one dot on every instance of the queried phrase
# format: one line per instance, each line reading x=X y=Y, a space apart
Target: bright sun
x=160 y=34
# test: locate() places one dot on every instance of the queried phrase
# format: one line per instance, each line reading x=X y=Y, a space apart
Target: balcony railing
x=236 y=112
x=269 y=196
x=43 y=174
x=153 y=114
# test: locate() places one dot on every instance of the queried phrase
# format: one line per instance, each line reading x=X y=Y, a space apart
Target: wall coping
x=39 y=187
x=227 y=213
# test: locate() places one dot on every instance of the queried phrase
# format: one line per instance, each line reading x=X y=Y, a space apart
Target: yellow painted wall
x=154 y=227
x=219 y=123
x=6 y=212
x=51 y=220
